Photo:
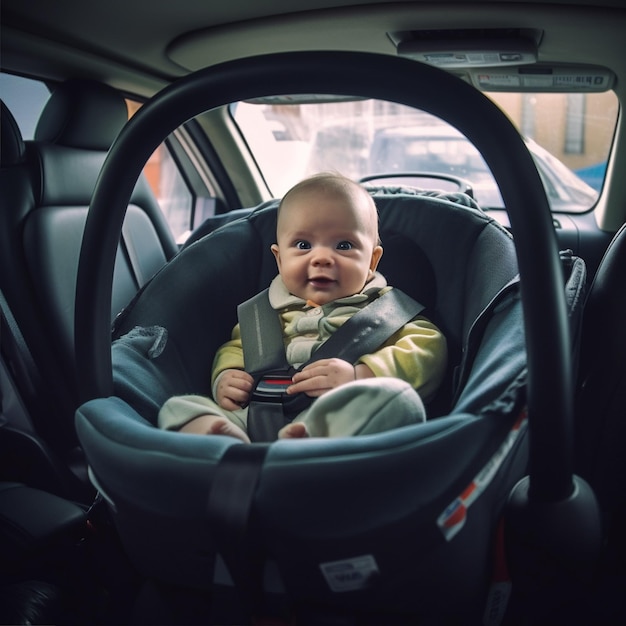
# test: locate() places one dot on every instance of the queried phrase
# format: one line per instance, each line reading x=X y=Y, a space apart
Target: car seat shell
x=163 y=348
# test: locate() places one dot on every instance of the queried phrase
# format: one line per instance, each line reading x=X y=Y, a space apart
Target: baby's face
x=327 y=245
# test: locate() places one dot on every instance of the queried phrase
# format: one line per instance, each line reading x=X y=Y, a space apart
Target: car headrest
x=12 y=147
x=82 y=114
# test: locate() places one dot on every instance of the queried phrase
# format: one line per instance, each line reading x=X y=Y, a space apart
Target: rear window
x=569 y=136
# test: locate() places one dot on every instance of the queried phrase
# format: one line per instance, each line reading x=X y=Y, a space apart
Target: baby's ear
x=276 y=252
x=376 y=254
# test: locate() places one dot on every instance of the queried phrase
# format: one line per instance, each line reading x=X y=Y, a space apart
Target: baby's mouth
x=321 y=281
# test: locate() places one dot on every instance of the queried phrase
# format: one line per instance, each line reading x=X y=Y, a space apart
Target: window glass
x=575 y=124
x=171 y=191
x=569 y=138
x=25 y=98
x=169 y=187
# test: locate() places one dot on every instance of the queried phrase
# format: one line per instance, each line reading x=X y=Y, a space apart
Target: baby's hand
x=233 y=389
x=322 y=376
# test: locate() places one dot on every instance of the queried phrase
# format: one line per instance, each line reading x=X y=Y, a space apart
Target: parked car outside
x=442 y=149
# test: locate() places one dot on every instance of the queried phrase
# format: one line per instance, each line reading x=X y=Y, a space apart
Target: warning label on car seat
x=350 y=574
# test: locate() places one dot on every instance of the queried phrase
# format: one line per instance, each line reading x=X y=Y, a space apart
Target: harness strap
x=261 y=335
x=229 y=510
x=264 y=352
x=369 y=328
x=265 y=419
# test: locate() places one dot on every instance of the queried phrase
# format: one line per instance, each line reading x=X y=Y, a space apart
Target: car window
x=171 y=191
x=568 y=137
x=25 y=98
x=168 y=184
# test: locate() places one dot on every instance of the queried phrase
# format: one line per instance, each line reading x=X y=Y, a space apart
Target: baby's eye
x=344 y=245
x=302 y=245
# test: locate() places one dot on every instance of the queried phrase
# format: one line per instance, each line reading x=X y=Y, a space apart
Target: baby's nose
x=322 y=256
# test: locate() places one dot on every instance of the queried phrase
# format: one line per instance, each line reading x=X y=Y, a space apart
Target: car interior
x=506 y=506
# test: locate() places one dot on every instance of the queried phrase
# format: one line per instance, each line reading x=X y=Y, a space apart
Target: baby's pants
x=362 y=407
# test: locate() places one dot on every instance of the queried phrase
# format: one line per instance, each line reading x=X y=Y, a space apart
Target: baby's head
x=327 y=238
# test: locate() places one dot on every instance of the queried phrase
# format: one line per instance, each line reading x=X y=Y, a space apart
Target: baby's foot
x=295 y=430
x=222 y=426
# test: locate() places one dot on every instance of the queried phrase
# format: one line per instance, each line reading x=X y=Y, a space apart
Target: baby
x=327 y=250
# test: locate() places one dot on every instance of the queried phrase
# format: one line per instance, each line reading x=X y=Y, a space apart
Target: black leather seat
x=24 y=453
x=42 y=215
x=601 y=391
x=36 y=526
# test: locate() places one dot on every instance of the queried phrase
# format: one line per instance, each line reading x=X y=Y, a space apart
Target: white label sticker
x=498 y=80
x=350 y=574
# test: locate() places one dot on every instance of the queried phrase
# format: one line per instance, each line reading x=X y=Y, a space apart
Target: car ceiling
x=141 y=45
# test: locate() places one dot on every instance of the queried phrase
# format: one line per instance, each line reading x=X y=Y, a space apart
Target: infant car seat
x=382 y=508
x=388 y=527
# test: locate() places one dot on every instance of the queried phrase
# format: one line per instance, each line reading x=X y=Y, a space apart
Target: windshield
x=386 y=142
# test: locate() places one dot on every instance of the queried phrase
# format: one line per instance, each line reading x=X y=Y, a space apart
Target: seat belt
x=270 y=407
x=18 y=356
